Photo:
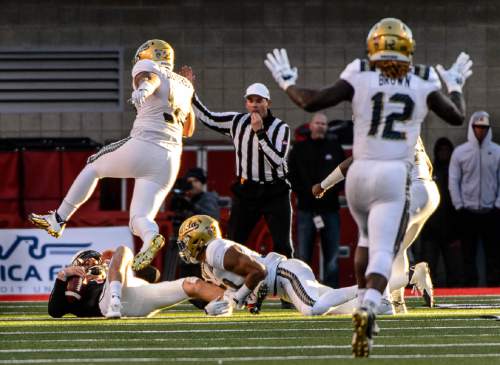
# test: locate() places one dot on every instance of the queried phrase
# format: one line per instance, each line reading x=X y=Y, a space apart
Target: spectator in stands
x=474 y=183
x=439 y=237
x=311 y=161
x=202 y=201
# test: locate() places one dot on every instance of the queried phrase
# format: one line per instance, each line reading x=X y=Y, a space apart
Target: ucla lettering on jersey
x=161 y=118
x=388 y=113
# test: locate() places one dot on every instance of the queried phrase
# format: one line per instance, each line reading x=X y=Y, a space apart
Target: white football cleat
x=115 y=308
x=48 y=222
x=386 y=307
x=144 y=258
x=422 y=282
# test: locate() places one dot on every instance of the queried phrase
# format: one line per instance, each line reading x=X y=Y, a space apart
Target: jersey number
x=378 y=106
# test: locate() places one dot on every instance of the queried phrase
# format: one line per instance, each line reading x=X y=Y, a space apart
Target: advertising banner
x=30 y=259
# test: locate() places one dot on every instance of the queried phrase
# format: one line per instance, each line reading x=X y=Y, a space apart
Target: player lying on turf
x=114 y=291
x=248 y=277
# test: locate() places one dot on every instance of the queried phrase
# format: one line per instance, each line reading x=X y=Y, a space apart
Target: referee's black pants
x=253 y=200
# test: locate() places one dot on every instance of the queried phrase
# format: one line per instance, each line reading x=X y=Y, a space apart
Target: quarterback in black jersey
x=111 y=289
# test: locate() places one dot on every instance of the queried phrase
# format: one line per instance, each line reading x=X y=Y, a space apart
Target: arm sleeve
x=219 y=122
x=275 y=153
x=454 y=179
x=145 y=66
x=57 y=306
x=215 y=253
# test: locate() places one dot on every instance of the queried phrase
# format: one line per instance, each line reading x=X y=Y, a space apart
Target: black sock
x=59 y=219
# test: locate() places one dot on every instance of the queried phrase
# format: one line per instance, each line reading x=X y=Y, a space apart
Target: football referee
x=261 y=144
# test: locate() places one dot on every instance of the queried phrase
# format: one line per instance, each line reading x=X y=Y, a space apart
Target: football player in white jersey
x=390 y=98
x=248 y=276
x=150 y=155
x=424 y=199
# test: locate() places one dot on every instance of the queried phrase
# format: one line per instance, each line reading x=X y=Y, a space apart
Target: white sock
x=115 y=288
x=372 y=299
x=361 y=296
x=148 y=238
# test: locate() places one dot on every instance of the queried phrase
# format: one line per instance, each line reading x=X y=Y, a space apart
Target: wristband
x=334 y=178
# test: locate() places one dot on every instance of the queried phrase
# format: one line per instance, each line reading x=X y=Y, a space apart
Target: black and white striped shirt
x=260 y=156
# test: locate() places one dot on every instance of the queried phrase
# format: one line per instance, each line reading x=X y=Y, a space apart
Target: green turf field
x=184 y=335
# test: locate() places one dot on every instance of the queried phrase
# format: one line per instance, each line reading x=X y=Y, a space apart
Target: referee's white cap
x=258 y=89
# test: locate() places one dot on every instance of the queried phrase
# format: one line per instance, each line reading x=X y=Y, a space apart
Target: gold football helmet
x=390 y=47
x=194 y=235
x=158 y=51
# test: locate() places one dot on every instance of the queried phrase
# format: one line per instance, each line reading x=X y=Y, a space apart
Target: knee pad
x=380 y=263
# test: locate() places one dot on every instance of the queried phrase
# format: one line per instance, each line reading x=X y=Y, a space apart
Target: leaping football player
x=390 y=98
x=150 y=155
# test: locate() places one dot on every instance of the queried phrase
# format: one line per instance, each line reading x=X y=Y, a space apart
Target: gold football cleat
x=48 y=222
x=144 y=258
x=365 y=327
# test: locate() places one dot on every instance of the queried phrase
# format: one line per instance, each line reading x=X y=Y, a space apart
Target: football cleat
x=115 y=307
x=386 y=307
x=422 y=282
x=48 y=222
x=365 y=327
x=398 y=301
x=144 y=258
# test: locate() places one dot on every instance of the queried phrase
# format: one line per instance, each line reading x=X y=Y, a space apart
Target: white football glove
x=278 y=64
x=219 y=307
x=143 y=91
x=455 y=76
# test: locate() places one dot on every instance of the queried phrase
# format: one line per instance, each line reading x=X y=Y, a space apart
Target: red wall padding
x=9 y=182
x=221 y=171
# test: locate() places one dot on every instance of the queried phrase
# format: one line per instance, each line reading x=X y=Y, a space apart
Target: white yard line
x=281 y=330
x=249 y=348
x=218 y=339
x=221 y=360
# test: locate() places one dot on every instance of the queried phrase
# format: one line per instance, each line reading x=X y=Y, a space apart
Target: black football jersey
x=88 y=306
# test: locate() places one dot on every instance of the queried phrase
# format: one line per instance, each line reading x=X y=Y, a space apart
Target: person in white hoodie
x=474 y=183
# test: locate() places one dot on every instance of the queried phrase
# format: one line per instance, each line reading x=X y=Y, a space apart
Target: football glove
x=256 y=298
x=457 y=74
x=277 y=62
x=219 y=307
x=143 y=91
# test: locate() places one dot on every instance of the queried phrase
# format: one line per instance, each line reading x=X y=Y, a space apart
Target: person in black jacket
x=311 y=161
x=439 y=235
x=115 y=291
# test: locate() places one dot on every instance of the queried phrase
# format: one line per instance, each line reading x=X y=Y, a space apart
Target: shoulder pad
x=364 y=65
x=422 y=71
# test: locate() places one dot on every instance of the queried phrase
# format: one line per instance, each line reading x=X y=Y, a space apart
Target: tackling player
x=151 y=154
x=115 y=291
x=390 y=98
x=246 y=274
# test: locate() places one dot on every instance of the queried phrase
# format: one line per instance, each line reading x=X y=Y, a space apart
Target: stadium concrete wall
x=226 y=41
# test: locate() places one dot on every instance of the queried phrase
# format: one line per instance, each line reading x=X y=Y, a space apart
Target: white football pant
x=295 y=283
x=424 y=200
x=154 y=169
x=377 y=196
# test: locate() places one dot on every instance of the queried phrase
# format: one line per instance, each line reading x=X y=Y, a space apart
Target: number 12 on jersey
x=378 y=107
